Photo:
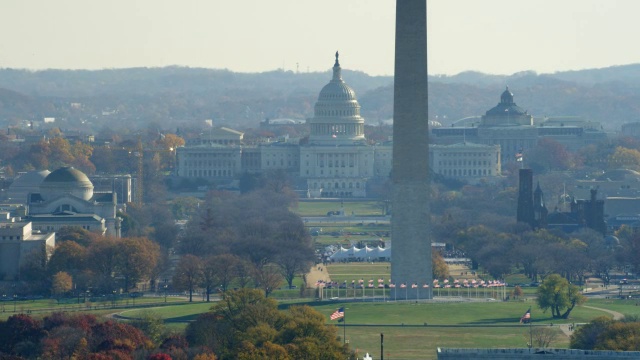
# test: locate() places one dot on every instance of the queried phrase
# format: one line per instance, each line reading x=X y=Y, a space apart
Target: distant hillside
x=177 y=96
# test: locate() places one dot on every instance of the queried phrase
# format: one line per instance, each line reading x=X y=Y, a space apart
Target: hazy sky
x=493 y=36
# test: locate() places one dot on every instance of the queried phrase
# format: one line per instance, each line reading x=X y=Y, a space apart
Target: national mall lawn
x=487 y=324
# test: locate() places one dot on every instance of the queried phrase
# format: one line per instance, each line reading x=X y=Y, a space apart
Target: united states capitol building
x=335 y=161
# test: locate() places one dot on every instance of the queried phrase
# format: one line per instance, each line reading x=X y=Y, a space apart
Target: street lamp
x=15 y=297
x=165 y=291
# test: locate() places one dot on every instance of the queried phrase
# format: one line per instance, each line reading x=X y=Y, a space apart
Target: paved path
x=567 y=329
x=616 y=315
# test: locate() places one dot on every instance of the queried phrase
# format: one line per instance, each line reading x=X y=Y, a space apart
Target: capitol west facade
x=336 y=161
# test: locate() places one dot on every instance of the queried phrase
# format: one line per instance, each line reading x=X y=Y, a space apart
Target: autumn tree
x=517 y=292
x=557 y=294
x=267 y=277
x=104 y=255
x=549 y=155
x=210 y=276
x=19 y=335
x=225 y=268
x=188 y=274
x=246 y=325
x=439 y=266
x=69 y=257
x=624 y=158
x=151 y=324
x=305 y=335
x=136 y=260
x=61 y=283
x=76 y=234
x=589 y=336
x=294 y=259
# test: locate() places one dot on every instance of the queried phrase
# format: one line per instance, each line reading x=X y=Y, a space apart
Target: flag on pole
x=519 y=155
x=414 y=286
x=338 y=314
x=526 y=317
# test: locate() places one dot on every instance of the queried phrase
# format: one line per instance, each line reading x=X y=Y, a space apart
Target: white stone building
x=18 y=241
x=67 y=198
x=466 y=161
x=336 y=161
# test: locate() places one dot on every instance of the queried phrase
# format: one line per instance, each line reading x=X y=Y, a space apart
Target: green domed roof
x=66 y=175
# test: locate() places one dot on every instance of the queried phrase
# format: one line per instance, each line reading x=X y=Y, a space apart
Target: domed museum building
x=66 y=197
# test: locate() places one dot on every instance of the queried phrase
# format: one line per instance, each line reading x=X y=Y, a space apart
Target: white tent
x=364 y=254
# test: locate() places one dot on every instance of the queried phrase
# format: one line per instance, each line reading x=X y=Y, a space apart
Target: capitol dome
x=66 y=180
x=337 y=113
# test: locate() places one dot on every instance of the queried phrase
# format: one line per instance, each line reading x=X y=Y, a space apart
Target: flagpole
x=530 y=334
x=344 y=326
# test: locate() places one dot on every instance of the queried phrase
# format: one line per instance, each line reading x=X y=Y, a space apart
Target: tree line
x=250 y=239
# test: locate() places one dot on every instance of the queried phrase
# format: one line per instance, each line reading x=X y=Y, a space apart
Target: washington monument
x=410 y=230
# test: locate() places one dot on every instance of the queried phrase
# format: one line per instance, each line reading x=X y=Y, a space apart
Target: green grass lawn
x=627 y=307
x=461 y=313
x=93 y=305
x=483 y=324
x=476 y=324
x=176 y=313
x=418 y=343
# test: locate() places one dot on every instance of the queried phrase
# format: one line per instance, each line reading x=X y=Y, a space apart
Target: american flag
x=392 y=285
x=519 y=155
x=403 y=285
x=526 y=317
x=425 y=286
x=338 y=314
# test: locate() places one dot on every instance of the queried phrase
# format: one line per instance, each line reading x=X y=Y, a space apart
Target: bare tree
x=542 y=336
x=188 y=274
x=267 y=277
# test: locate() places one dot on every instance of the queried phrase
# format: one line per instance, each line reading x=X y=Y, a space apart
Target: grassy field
x=630 y=307
x=475 y=324
x=321 y=207
x=96 y=305
x=422 y=342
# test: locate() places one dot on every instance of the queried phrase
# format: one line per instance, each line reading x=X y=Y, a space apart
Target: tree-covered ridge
x=176 y=96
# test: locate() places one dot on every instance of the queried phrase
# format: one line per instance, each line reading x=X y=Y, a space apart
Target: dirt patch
x=316 y=273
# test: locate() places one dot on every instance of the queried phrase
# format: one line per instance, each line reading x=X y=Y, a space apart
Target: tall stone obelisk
x=410 y=229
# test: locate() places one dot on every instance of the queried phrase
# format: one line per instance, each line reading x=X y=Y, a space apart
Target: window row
x=337 y=185
x=210 y=173
x=465 y=172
